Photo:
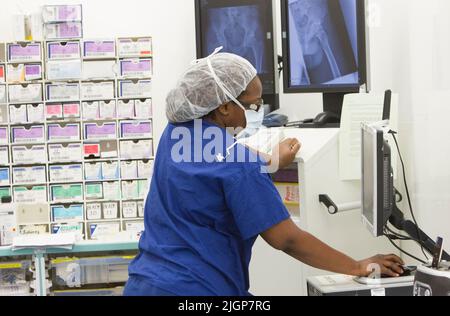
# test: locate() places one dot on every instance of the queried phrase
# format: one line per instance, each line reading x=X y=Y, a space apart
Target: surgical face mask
x=254 y=121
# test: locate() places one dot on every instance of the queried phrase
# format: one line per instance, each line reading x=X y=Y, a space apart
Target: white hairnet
x=198 y=93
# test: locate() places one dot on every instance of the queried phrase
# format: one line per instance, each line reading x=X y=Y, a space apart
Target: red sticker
x=91 y=149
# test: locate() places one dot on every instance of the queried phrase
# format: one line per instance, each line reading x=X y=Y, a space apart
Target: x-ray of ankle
x=238 y=30
x=325 y=51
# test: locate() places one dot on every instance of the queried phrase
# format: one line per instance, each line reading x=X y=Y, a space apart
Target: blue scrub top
x=202 y=218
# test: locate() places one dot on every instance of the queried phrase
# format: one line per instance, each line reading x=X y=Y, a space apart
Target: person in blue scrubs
x=208 y=204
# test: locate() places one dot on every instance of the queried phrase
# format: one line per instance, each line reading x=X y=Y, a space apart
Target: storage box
x=64 y=132
x=67 y=30
x=135 y=47
x=33 y=214
x=110 y=170
x=91 y=110
x=18 y=114
x=63 y=92
x=143 y=109
x=99 y=69
x=129 y=170
x=98 y=231
x=111 y=210
x=99 y=49
x=2 y=93
x=136 y=129
x=33 y=154
x=24 y=52
x=70 y=228
x=62 y=13
x=129 y=209
x=125 y=109
x=64 y=70
x=93 y=211
x=17 y=73
x=94 y=131
x=54 y=111
x=35 y=194
x=136 y=68
x=107 y=109
x=93 y=171
x=68 y=193
x=28 y=134
x=135 y=89
x=5 y=178
x=66 y=173
x=71 y=110
x=94 y=191
x=29 y=175
x=142 y=149
x=145 y=169
x=130 y=190
x=111 y=191
x=4 y=156
x=35 y=113
x=20 y=93
x=30 y=230
x=97 y=90
x=4 y=136
x=65 y=152
x=8 y=226
x=63 y=213
x=63 y=50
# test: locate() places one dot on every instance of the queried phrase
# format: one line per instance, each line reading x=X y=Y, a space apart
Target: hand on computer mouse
x=390 y=265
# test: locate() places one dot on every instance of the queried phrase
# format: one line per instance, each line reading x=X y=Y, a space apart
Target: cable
x=401 y=237
x=403 y=251
x=407 y=192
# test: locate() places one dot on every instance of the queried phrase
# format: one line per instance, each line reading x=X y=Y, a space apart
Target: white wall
x=410 y=49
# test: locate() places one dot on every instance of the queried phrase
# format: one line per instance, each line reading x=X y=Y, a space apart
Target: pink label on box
x=129 y=66
x=72 y=109
x=34 y=132
x=68 y=49
x=32 y=70
x=27 y=51
x=130 y=128
x=59 y=131
x=102 y=47
x=69 y=30
x=54 y=109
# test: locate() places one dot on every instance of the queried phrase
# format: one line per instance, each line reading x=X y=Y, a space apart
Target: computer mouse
x=326 y=118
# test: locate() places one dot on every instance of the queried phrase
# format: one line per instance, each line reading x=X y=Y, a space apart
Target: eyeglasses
x=253 y=106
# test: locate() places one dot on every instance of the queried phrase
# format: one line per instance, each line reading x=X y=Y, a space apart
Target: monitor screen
x=377 y=179
x=244 y=28
x=324 y=45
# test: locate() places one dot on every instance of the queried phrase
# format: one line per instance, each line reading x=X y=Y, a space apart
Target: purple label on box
x=3 y=133
x=32 y=70
x=68 y=12
x=131 y=66
x=34 y=132
x=141 y=128
x=99 y=47
x=70 y=30
x=16 y=51
x=68 y=49
x=55 y=131
x=93 y=130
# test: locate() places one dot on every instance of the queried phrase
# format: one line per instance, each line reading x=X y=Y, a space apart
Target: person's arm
x=287 y=237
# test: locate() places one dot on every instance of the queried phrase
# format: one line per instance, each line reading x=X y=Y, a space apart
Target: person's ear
x=225 y=109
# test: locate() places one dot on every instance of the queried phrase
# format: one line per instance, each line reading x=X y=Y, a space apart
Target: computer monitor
x=245 y=28
x=377 y=179
x=324 y=48
x=379 y=204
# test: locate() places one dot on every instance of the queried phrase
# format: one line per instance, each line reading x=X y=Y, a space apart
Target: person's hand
x=380 y=265
x=284 y=153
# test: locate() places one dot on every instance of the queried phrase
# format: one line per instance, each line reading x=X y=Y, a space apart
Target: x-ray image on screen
x=240 y=30
x=323 y=42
